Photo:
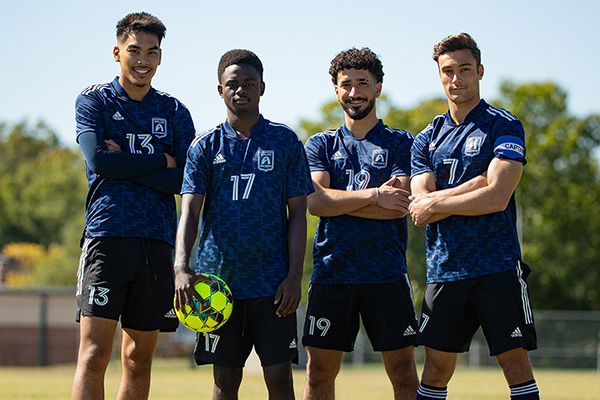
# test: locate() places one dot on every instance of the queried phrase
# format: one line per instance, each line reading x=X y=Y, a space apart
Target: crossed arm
x=484 y=194
x=388 y=201
x=157 y=171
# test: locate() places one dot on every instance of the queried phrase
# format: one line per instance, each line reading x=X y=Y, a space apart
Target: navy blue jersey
x=463 y=247
x=246 y=184
x=353 y=250
x=158 y=124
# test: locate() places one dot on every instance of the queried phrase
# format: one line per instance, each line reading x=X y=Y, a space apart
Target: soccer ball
x=219 y=305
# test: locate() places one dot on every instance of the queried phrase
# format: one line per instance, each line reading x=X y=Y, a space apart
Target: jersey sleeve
x=401 y=158
x=315 y=153
x=88 y=115
x=420 y=159
x=184 y=129
x=298 y=180
x=509 y=142
x=195 y=172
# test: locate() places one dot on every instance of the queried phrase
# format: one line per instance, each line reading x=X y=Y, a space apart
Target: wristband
x=377 y=198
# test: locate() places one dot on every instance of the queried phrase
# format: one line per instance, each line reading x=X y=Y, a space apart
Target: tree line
x=44 y=187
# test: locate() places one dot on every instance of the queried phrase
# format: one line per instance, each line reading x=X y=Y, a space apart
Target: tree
x=559 y=197
x=42 y=200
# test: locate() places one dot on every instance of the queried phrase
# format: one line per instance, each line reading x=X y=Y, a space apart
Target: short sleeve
x=420 y=157
x=195 y=172
x=88 y=115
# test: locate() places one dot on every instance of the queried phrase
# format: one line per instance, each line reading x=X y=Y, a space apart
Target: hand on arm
x=185 y=277
x=392 y=202
x=327 y=202
x=289 y=292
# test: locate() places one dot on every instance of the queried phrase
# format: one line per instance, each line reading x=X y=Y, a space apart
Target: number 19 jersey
x=246 y=184
x=349 y=249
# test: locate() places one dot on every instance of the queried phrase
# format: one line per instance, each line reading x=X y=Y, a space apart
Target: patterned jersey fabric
x=246 y=184
x=463 y=247
x=157 y=124
x=353 y=250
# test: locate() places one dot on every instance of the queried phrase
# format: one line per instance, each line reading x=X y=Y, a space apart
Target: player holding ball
x=250 y=178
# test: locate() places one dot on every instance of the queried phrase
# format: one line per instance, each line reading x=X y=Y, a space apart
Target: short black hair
x=140 y=22
x=458 y=42
x=237 y=57
x=357 y=59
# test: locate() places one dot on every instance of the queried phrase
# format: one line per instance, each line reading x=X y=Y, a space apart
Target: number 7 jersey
x=246 y=184
x=464 y=247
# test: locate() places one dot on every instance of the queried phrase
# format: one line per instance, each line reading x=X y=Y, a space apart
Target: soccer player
x=250 y=178
x=361 y=175
x=465 y=167
x=134 y=140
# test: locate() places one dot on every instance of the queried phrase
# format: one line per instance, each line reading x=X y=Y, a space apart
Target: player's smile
x=357 y=91
x=139 y=57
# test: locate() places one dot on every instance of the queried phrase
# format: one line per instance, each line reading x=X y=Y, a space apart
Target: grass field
x=176 y=379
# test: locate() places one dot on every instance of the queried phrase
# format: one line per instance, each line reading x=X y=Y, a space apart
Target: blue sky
x=53 y=50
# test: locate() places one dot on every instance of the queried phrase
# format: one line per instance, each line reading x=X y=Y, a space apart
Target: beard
x=355 y=112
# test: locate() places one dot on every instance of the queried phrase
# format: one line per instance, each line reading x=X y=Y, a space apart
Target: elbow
x=499 y=204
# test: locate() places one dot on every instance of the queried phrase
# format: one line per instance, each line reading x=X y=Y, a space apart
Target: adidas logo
x=337 y=156
x=117 y=116
x=516 y=333
x=171 y=314
x=431 y=146
x=219 y=159
x=293 y=345
x=409 y=331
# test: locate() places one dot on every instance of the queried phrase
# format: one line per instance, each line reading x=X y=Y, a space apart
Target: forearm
x=376 y=212
x=186 y=237
x=117 y=164
x=296 y=239
x=165 y=180
x=326 y=202
x=478 y=182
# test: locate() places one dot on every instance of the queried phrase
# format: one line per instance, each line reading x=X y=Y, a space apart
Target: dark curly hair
x=357 y=59
x=458 y=42
x=140 y=22
x=237 y=57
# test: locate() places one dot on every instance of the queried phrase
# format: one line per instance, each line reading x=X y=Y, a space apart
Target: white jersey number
x=357 y=181
x=144 y=138
x=236 y=179
x=453 y=162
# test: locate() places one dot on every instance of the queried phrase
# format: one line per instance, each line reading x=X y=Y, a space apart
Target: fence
x=37 y=327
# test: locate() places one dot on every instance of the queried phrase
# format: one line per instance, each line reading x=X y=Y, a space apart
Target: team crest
x=380 y=158
x=266 y=160
x=159 y=127
x=473 y=144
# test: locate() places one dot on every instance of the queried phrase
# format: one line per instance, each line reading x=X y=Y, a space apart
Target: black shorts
x=499 y=303
x=253 y=322
x=387 y=312
x=130 y=279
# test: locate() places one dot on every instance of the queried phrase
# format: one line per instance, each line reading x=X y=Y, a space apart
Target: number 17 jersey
x=246 y=184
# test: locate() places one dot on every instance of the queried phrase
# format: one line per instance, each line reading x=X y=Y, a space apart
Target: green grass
x=174 y=379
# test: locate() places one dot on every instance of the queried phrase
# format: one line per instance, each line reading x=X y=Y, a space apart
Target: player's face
x=241 y=88
x=460 y=76
x=139 y=57
x=357 y=90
